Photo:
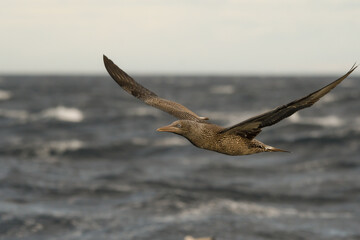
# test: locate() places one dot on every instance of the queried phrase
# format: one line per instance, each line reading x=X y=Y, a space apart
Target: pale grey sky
x=182 y=36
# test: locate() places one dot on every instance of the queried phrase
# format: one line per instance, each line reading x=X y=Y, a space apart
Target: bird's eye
x=178 y=125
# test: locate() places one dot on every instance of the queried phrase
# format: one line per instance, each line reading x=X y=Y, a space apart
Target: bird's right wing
x=131 y=86
x=252 y=126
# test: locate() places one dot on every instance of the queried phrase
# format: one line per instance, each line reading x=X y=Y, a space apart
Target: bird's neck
x=204 y=135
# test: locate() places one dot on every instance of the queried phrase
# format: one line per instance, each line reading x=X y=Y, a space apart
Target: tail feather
x=272 y=149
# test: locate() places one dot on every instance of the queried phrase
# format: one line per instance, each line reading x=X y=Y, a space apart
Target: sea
x=81 y=159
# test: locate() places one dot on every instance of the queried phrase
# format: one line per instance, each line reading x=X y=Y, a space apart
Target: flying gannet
x=235 y=140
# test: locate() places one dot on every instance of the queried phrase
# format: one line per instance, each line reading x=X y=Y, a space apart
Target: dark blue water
x=80 y=159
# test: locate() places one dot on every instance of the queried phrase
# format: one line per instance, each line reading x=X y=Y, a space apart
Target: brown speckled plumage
x=234 y=140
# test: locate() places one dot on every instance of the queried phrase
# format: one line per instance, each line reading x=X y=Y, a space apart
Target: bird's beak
x=168 y=128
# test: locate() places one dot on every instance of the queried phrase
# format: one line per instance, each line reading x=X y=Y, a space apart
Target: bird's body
x=235 y=140
x=213 y=137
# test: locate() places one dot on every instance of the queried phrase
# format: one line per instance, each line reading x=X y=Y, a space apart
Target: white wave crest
x=328 y=121
x=273 y=212
x=246 y=208
x=222 y=89
x=63 y=113
x=60 y=113
x=5 y=95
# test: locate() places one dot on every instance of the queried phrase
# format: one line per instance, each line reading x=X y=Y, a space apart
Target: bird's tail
x=272 y=149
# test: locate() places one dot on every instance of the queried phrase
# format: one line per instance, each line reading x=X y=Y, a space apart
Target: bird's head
x=181 y=127
x=198 y=133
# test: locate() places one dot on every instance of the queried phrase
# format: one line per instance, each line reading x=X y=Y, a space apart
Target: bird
x=235 y=140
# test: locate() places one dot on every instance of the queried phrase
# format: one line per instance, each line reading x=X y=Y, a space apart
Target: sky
x=180 y=36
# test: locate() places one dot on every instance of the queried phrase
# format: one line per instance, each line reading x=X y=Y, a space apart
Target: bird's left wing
x=131 y=86
x=252 y=126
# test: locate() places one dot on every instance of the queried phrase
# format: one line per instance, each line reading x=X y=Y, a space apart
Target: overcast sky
x=180 y=37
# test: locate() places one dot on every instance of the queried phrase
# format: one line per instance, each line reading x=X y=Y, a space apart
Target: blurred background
x=80 y=158
x=182 y=37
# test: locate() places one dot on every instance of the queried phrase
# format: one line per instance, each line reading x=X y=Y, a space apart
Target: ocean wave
x=5 y=95
x=348 y=83
x=59 y=147
x=140 y=141
x=15 y=227
x=328 y=98
x=328 y=121
x=45 y=148
x=63 y=114
x=60 y=113
x=274 y=212
x=143 y=111
x=171 y=141
x=21 y=115
x=246 y=208
x=222 y=89
x=168 y=141
x=357 y=123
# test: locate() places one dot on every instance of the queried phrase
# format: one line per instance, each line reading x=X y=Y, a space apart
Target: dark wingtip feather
x=353 y=67
x=106 y=60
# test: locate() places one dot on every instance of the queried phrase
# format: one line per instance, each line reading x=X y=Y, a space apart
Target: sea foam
x=63 y=113
x=246 y=208
x=327 y=121
x=60 y=113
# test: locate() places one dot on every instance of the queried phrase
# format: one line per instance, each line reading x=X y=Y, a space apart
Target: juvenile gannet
x=235 y=140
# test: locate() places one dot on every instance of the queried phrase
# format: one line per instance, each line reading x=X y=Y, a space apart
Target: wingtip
x=107 y=62
x=353 y=67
